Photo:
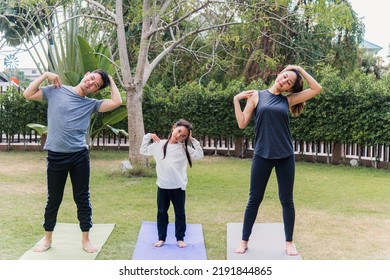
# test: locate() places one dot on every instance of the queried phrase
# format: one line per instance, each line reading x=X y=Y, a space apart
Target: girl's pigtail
x=187 y=153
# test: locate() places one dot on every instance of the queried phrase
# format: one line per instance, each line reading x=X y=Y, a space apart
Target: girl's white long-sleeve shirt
x=171 y=170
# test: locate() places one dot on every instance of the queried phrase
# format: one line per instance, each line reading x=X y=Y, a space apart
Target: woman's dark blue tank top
x=272 y=126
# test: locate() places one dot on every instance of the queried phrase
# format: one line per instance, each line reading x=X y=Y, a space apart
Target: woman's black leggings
x=260 y=173
x=59 y=165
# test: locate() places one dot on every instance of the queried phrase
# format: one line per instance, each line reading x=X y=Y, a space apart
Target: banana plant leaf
x=118 y=131
x=41 y=129
x=115 y=116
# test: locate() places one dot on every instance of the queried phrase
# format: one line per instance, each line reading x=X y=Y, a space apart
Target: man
x=69 y=113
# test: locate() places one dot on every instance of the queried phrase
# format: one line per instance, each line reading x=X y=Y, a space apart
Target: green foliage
x=159 y=110
x=12 y=112
x=91 y=59
x=199 y=84
x=41 y=129
x=16 y=113
x=351 y=110
x=355 y=109
x=140 y=170
x=15 y=21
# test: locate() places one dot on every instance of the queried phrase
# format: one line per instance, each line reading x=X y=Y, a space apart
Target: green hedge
x=16 y=113
x=351 y=110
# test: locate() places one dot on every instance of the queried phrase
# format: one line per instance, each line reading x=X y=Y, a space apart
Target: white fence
x=349 y=151
x=313 y=151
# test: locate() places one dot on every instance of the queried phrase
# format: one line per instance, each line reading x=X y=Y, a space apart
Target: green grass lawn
x=342 y=212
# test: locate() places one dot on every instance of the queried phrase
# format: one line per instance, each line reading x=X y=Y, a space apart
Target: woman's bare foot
x=242 y=247
x=159 y=243
x=290 y=249
x=181 y=244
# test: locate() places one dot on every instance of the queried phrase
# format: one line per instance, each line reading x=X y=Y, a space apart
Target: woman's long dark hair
x=187 y=125
x=297 y=109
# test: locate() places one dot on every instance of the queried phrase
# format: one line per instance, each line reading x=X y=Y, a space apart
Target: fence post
x=336 y=153
x=238 y=151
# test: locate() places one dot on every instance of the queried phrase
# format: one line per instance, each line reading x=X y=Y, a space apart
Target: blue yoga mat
x=144 y=249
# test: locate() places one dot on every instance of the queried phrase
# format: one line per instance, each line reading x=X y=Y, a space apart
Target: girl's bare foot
x=242 y=247
x=181 y=244
x=159 y=243
x=290 y=249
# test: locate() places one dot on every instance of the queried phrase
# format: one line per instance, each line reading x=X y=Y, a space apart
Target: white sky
x=374 y=14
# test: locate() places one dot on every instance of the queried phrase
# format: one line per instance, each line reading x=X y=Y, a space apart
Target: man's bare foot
x=43 y=247
x=159 y=243
x=181 y=244
x=89 y=248
x=290 y=249
x=242 y=247
x=46 y=243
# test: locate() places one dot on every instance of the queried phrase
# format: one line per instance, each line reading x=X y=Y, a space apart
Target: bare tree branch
x=124 y=58
x=175 y=22
x=173 y=45
x=101 y=8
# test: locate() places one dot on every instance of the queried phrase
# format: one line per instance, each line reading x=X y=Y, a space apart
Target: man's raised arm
x=115 y=101
x=34 y=92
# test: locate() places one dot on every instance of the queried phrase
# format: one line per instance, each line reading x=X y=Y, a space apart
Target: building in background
x=371 y=48
x=30 y=73
x=4 y=83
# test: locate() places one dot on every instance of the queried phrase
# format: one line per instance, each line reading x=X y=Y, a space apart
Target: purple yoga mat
x=144 y=249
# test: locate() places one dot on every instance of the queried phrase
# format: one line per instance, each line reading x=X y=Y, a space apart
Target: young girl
x=171 y=158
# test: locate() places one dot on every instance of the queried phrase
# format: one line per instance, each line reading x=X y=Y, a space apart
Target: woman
x=273 y=144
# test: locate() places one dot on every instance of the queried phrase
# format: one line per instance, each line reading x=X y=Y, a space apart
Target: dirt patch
x=22 y=188
x=22 y=172
x=18 y=169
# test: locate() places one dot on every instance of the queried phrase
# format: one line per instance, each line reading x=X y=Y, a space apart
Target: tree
x=147 y=32
x=371 y=64
x=164 y=26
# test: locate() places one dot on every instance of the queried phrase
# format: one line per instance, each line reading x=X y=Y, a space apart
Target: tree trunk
x=136 y=128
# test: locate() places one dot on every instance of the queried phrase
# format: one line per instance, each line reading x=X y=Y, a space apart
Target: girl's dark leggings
x=260 y=173
x=164 y=198
x=59 y=165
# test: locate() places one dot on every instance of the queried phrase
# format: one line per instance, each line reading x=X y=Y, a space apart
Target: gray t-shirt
x=68 y=118
x=272 y=126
